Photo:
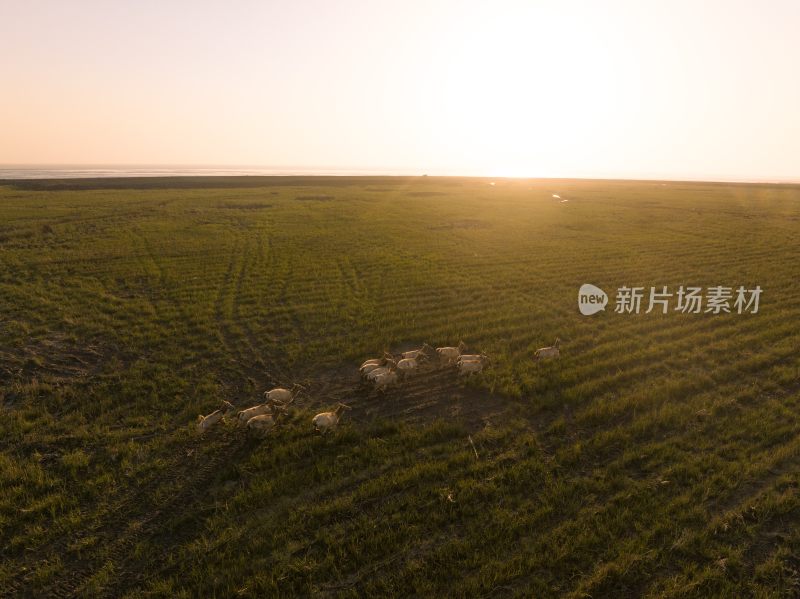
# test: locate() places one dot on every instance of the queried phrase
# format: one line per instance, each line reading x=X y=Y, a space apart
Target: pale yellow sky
x=606 y=88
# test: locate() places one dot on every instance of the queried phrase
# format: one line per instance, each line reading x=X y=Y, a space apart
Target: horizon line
x=339 y=171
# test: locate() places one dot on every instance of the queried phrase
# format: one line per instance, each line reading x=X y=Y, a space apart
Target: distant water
x=83 y=172
x=100 y=171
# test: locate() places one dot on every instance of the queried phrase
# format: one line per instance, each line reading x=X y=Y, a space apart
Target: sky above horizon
x=562 y=88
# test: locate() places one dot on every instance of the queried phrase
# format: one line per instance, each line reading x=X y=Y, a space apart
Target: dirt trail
x=434 y=392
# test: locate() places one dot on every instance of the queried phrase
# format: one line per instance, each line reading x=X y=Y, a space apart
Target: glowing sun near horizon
x=611 y=88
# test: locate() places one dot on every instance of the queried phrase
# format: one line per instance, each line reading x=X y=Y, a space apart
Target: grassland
x=658 y=457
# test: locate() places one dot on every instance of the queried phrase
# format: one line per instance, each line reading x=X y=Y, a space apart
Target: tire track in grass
x=219 y=316
x=164 y=280
x=244 y=360
x=131 y=571
x=276 y=273
x=351 y=292
x=767 y=548
x=563 y=528
x=247 y=348
x=772 y=465
x=144 y=259
x=566 y=520
x=115 y=557
x=286 y=506
x=377 y=573
x=280 y=325
x=583 y=427
x=742 y=507
x=107 y=521
x=294 y=329
x=268 y=368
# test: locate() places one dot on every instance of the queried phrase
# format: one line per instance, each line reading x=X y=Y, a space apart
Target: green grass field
x=658 y=457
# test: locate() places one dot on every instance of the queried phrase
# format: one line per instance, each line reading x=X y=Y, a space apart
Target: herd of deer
x=381 y=372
